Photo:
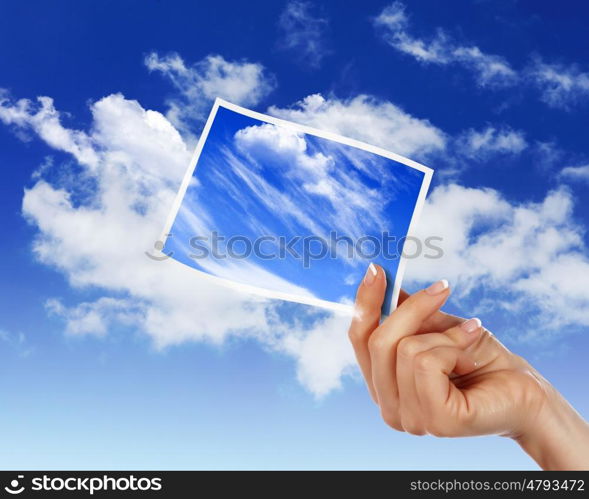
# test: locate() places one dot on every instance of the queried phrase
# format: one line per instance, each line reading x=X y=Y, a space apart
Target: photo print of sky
x=291 y=212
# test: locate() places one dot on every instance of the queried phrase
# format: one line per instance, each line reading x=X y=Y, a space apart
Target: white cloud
x=576 y=173
x=241 y=82
x=99 y=240
x=517 y=253
x=319 y=372
x=356 y=207
x=489 y=69
x=481 y=144
x=303 y=33
x=97 y=317
x=561 y=86
x=374 y=121
x=42 y=118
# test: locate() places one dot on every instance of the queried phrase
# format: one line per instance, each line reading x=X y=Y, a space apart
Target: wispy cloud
x=96 y=318
x=355 y=207
x=561 y=86
x=580 y=173
x=17 y=342
x=197 y=85
x=303 y=33
x=488 y=141
x=489 y=69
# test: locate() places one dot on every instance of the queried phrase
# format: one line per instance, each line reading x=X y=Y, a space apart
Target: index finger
x=439 y=321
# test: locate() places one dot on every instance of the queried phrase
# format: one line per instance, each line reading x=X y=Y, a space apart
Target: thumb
x=369 y=299
x=366 y=318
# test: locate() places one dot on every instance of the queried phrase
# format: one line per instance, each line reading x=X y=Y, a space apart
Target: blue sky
x=109 y=360
x=329 y=203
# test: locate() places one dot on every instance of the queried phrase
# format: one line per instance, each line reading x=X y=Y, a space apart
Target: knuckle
x=424 y=362
x=355 y=335
x=376 y=341
x=454 y=335
x=408 y=347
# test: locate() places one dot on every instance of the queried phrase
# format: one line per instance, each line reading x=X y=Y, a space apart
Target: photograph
x=294 y=213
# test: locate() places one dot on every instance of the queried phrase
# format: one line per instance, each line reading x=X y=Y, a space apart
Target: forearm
x=558 y=439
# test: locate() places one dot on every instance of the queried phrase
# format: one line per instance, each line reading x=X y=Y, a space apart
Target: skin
x=429 y=375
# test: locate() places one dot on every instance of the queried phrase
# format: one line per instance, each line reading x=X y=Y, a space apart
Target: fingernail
x=371 y=273
x=471 y=325
x=437 y=287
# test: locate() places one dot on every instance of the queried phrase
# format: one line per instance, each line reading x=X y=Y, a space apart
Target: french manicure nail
x=371 y=273
x=437 y=287
x=471 y=325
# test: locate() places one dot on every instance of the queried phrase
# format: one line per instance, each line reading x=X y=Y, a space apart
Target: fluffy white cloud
x=576 y=173
x=489 y=69
x=303 y=33
x=518 y=254
x=377 y=122
x=241 y=82
x=98 y=237
x=319 y=372
x=561 y=86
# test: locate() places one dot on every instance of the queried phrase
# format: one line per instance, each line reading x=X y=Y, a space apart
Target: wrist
x=558 y=437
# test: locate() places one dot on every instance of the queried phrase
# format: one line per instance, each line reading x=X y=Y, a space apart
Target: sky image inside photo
x=285 y=211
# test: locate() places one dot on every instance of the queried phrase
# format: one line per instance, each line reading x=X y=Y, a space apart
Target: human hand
x=433 y=373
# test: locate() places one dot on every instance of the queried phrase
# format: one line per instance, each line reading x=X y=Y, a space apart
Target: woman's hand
x=434 y=373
